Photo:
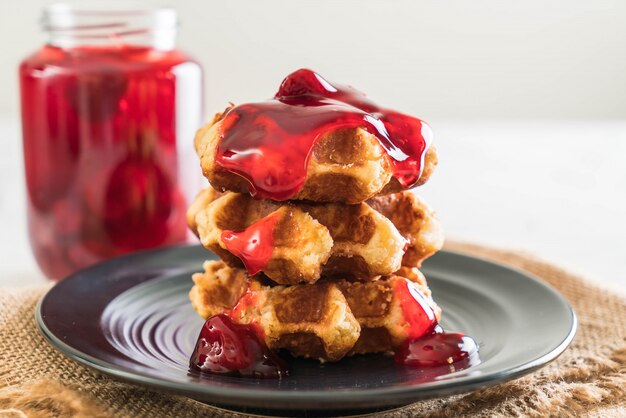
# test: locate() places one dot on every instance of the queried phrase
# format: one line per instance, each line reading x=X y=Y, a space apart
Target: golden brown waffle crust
x=329 y=320
x=347 y=166
x=415 y=220
x=315 y=240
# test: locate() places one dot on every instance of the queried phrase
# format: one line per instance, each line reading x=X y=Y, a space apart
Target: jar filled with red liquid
x=109 y=111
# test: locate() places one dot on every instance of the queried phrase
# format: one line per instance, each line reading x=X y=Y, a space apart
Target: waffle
x=347 y=166
x=324 y=239
x=415 y=220
x=309 y=240
x=329 y=320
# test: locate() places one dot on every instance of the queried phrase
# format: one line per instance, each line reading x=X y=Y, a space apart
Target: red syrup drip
x=427 y=344
x=269 y=143
x=225 y=347
x=254 y=245
x=437 y=349
x=416 y=310
x=246 y=300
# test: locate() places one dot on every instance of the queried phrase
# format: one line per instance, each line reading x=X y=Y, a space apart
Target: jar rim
x=59 y=16
x=69 y=24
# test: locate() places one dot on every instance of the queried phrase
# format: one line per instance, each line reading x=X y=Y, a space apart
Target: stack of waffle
x=343 y=253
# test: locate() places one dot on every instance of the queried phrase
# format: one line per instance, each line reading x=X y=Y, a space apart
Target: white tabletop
x=555 y=189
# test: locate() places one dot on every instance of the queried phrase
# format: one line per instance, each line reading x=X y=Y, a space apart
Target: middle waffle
x=368 y=240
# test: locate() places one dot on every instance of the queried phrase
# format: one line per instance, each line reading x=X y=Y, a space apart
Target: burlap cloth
x=589 y=379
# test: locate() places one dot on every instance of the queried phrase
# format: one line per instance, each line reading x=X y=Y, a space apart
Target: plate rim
x=294 y=399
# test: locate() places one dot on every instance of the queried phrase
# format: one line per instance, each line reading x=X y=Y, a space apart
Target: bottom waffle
x=328 y=320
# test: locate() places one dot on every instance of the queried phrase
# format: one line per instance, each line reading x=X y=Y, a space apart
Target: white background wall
x=527 y=100
x=438 y=59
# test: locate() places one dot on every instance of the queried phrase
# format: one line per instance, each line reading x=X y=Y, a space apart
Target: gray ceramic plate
x=130 y=318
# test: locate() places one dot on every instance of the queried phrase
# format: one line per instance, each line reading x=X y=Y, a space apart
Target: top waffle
x=346 y=166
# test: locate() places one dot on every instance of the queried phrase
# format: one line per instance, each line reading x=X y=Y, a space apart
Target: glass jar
x=109 y=111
